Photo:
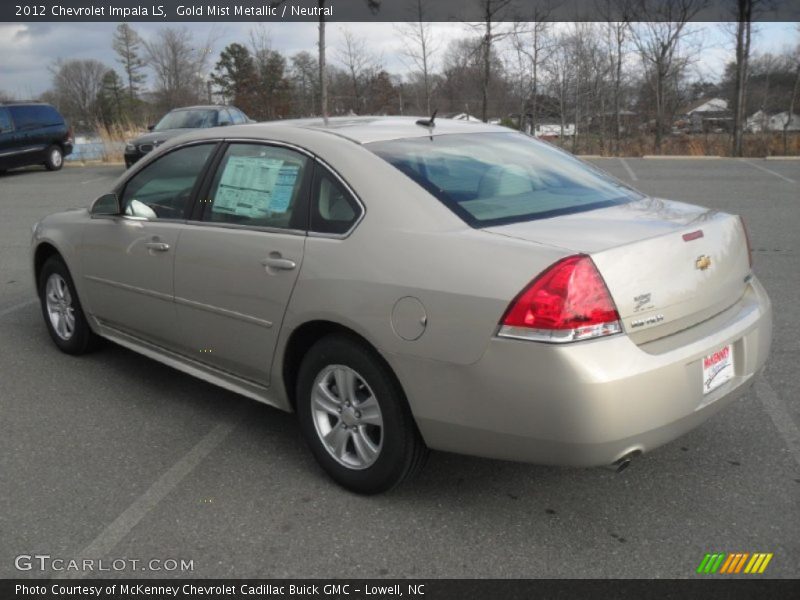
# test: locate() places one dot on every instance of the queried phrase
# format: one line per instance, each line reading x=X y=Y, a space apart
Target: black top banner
x=388 y=10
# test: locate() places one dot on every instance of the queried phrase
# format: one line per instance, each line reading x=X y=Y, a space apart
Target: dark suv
x=177 y=121
x=33 y=134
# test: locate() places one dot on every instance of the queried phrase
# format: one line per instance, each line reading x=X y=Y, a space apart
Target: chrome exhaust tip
x=619 y=465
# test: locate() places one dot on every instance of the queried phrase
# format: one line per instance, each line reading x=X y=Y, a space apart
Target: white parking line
x=770 y=171
x=631 y=174
x=11 y=309
x=104 y=543
x=780 y=415
x=93 y=180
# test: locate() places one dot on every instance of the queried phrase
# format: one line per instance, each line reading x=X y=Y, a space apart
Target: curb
x=679 y=157
x=93 y=163
x=782 y=158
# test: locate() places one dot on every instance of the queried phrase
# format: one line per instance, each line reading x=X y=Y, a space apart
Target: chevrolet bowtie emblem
x=702 y=262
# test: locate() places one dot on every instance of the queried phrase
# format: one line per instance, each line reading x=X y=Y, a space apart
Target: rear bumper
x=588 y=403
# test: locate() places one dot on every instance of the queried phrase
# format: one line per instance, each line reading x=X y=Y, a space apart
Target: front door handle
x=278 y=262
x=157 y=246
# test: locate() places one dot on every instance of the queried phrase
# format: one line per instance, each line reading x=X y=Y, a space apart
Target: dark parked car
x=177 y=121
x=33 y=134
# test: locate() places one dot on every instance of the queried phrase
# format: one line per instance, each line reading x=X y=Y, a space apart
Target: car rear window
x=187 y=119
x=497 y=178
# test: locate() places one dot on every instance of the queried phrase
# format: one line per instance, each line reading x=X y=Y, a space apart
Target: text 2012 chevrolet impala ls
x=405 y=285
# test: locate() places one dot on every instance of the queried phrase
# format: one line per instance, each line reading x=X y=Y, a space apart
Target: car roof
x=202 y=107
x=22 y=103
x=361 y=130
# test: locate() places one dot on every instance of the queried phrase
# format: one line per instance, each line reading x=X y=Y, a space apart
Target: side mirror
x=151 y=127
x=107 y=204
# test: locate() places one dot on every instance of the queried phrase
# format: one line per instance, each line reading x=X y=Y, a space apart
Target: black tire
x=54 y=159
x=402 y=451
x=82 y=339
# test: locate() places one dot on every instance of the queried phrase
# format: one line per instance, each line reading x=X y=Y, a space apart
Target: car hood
x=157 y=137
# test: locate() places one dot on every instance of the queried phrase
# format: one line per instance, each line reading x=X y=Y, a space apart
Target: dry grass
x=712 y=144
x=115 y=136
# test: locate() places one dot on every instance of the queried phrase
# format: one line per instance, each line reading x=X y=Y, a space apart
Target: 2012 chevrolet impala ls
x=409 y=284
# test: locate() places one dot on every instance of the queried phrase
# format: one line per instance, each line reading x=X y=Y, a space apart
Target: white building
x=761 y=121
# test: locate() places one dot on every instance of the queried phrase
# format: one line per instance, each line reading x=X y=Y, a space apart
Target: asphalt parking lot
x=112 y=455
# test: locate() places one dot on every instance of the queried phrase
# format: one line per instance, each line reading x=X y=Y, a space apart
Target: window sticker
x=255 y=187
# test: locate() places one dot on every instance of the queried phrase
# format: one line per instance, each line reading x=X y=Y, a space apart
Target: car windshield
x=187 y=119
x=498 y=178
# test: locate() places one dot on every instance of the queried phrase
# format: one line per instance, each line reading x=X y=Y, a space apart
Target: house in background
x=760 y=121
x=707 y=115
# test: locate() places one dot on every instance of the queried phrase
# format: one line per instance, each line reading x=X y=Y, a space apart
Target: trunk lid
x=663 y=275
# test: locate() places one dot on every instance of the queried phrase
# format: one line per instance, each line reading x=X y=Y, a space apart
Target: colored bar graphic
x=734 y=563
x=740 y=564
x=764 y=564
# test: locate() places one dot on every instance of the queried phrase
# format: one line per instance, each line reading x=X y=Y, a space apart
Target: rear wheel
x=355 y=417
x=54 y=159
x=61 y=309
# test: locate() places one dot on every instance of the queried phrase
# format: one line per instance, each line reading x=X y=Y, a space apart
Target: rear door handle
x=277 y=262
x=157 y=246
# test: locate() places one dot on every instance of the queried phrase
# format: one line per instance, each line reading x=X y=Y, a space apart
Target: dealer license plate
x=717 y=368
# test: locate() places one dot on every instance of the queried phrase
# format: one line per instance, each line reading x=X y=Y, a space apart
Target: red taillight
x=567 y=302
x=69 y=135
x=747 y=239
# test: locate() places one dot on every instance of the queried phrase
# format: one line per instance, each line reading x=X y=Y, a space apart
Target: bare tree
x=77 y=84
x=532 y=42
x=616 y=15
x=179 y=66
x=795 y=90
x=661 y=28
x=744 y=11
x=360 y=64
x=492 y=11
x=419 y=48
x=372 y=5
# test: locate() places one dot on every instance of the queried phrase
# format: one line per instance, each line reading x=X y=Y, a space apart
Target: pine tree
x=127 y=45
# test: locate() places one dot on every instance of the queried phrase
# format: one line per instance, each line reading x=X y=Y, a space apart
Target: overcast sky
x=26 y=50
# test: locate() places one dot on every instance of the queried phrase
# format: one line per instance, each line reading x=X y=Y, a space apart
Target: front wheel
x=355 y=417
x=61 y=309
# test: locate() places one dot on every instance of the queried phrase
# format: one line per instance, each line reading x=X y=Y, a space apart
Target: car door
x=236 y=266
x=23 y=135
x=128 y=259
x=7 y=146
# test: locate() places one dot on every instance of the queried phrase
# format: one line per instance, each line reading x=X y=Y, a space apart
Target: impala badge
x=702 y=262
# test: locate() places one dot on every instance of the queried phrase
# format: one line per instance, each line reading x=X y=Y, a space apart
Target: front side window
x=498 y=178
x=187 y=119
x=24 y=116
x=260 y=186
x=5 y=121
x=163 y=189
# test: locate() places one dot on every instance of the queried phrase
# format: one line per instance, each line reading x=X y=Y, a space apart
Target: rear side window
x=259 y=186
x=236 y=116
x=498 y=178
x=35 y=115
x=333 y=208
x=5 y=120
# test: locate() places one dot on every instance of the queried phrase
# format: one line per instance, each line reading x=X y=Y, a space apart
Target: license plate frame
x=717 y=368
